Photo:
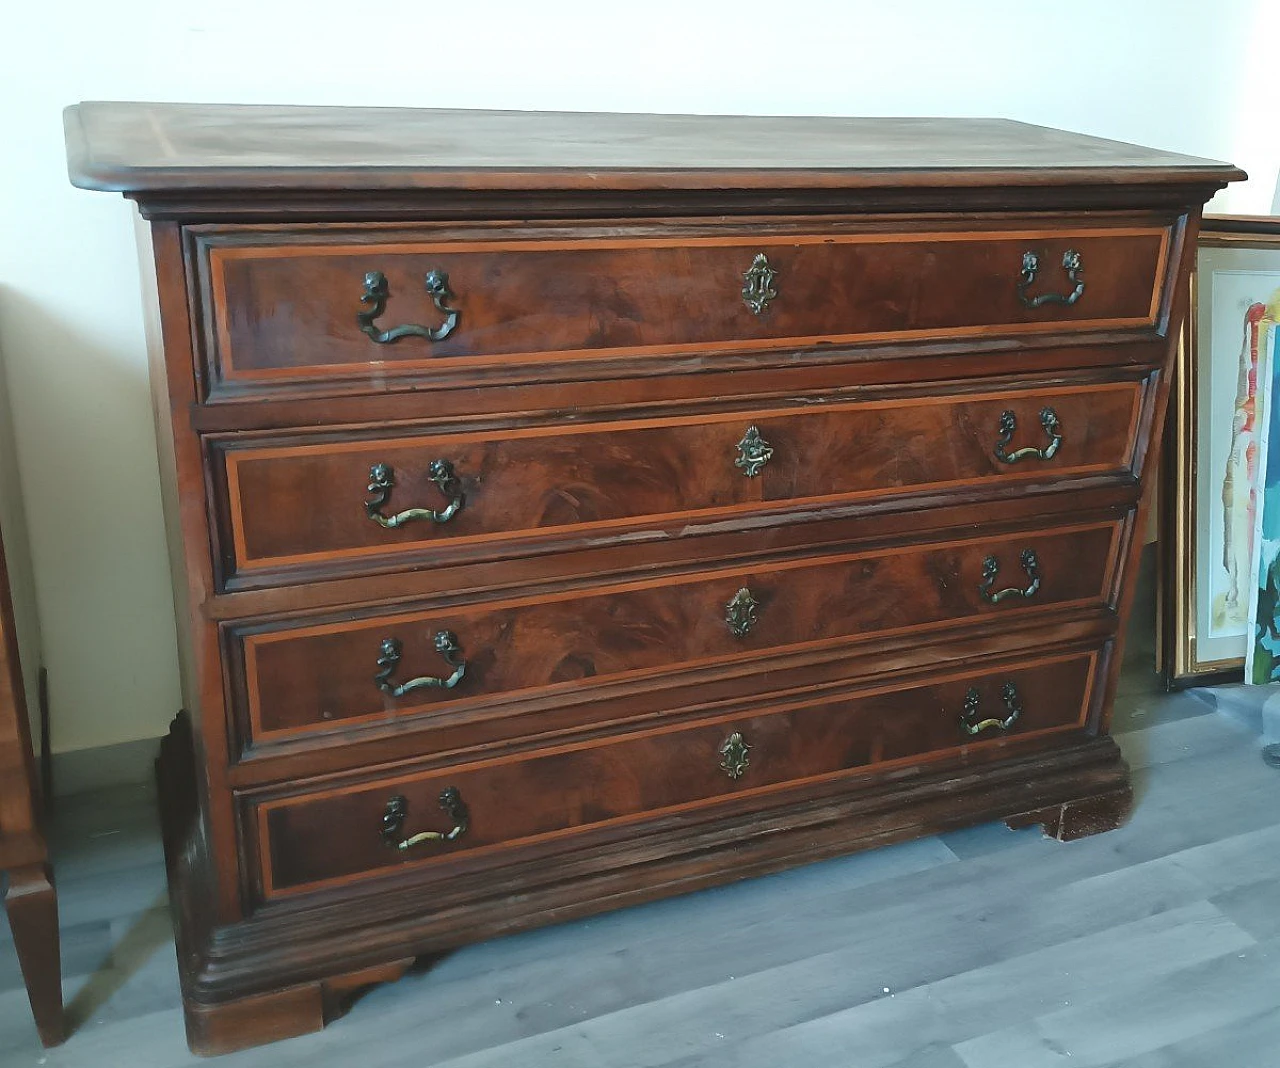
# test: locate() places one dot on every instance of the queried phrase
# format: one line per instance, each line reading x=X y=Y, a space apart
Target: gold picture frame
x=1188 y=654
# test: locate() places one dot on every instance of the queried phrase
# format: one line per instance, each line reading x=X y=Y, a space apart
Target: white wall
x=1167 y=73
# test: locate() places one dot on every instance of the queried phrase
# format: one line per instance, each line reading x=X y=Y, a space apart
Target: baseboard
x=123 y=764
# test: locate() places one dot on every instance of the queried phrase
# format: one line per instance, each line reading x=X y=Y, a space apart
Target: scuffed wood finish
x=591 y=399
x=286 y=501
x=153 y=147
x=749 y=838
x=319 y=675
x=285 y=1013
x=440 y=738
x=1080 y=819
x=287 y=312
x=528 y=799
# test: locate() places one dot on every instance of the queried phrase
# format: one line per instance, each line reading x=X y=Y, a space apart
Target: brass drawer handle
x=969 y=722
x=740 y=612
x=393 y=817
x=733 y=756
x=753 y=452
x=1070 y=263
x=382 y=479
x=1009 y=423
x=757 y=284
x=389 y=653
x=375 y=298
x=991 y=568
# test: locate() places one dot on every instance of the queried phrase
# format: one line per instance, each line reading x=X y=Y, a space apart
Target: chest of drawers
x=571 y=510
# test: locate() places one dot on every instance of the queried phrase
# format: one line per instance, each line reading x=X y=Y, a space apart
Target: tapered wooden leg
x=32 y=905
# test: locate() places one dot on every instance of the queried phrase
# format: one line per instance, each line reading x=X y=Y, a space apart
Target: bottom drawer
x=352 y=830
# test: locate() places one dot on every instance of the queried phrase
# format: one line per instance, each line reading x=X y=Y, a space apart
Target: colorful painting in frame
x=1212 y=507
x=1262 y=657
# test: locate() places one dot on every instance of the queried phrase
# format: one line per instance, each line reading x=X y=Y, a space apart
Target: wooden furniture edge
x=240 y=989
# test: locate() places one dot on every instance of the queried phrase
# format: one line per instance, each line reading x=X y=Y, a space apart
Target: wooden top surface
x=140 y=148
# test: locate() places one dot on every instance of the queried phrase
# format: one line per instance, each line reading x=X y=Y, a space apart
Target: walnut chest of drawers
x=570 y=510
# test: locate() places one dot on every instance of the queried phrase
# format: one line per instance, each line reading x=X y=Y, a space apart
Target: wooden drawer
x=296 y=509
x=346 y=831
x=318 y=676
x=291 y=305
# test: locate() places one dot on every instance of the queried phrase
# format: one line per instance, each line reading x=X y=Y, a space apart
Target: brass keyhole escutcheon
x=733 y=756
x=740 y=612
x=753 y=452
x=757 y=284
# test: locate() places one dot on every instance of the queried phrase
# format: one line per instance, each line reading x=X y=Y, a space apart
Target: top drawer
x=317 y=304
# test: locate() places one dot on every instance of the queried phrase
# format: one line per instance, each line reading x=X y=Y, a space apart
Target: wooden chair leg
x=32 y=904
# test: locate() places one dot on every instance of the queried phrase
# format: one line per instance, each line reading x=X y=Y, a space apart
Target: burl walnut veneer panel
x=282 y=311
x=520 y=489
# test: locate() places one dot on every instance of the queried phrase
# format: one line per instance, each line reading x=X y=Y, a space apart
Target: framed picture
x=1212 y=501
x=1262 y=659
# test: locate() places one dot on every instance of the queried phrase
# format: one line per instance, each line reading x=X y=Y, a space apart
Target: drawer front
x=346 y=832
x=346 y=506
x=372 y=672
x=322 y=303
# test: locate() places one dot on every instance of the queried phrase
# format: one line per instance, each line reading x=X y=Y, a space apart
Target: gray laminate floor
x=1155 y=946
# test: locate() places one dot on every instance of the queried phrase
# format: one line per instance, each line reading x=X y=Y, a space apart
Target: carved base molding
x=291 y=967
